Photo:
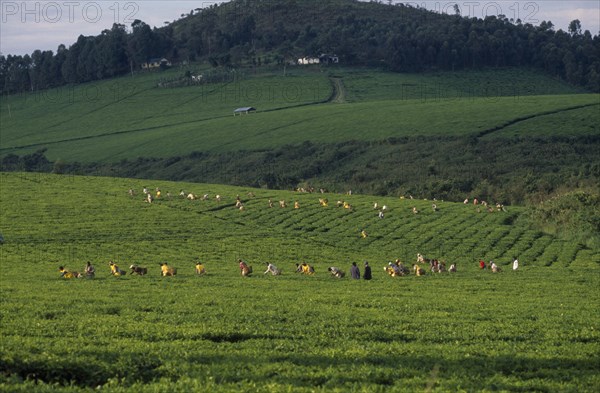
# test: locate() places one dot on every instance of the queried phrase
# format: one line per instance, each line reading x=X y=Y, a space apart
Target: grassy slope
x=136 y=105
x=136 y=119
x=470 y=331
x=366 y=85
x=318 y=124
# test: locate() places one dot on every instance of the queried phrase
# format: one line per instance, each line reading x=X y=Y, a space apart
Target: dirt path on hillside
x=339 y=91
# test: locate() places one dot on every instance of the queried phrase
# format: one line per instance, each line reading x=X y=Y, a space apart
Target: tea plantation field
x=534 y=329
x=132 y=117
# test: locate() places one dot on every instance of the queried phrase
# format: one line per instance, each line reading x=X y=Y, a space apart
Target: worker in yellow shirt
x=305 y=268
x=115 y=270
x=200 y=270
x=64 y=273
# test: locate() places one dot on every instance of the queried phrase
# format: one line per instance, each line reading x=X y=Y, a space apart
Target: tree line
x=256 y=32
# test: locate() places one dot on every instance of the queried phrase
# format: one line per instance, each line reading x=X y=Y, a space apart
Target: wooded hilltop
x=398 y=37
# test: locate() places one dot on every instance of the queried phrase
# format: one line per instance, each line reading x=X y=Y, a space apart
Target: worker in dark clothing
x=367 y=274
x=354 y=271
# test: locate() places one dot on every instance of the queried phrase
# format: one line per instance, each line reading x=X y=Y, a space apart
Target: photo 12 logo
x=68 y=11
x=524 y=11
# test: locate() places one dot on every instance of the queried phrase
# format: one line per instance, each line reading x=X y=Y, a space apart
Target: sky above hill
x=29 y=25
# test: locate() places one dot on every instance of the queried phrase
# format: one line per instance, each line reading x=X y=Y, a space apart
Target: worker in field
x=419 y=271
x=495 y=268
x=393 y=270
x=367 y=273
x=441 y=268
x=90 y=271
x=363 y=234
x=305 y=268
x=481 y=264
x=64 y=273
x=401 y=268
x=438 y=267
x=515 y=263
x=200 y=269
x=166 y=270
x=308 y=269
x=245 y=269
x=115 y=270
x=336 y=272
x=354 y=271
x=274 y=270
x=139 y=270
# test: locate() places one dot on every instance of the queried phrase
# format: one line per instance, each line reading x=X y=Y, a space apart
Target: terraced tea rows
x=456 y=232
x=469 y=331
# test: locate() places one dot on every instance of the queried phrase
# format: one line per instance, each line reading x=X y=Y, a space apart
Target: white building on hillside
x=308 y=60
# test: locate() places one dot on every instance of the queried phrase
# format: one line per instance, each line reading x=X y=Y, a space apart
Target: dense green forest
x=262 y=32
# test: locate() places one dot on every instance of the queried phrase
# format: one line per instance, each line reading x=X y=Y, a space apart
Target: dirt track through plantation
x=339 y=91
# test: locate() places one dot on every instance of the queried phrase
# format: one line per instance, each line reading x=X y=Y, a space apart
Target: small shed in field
x=245 y=110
